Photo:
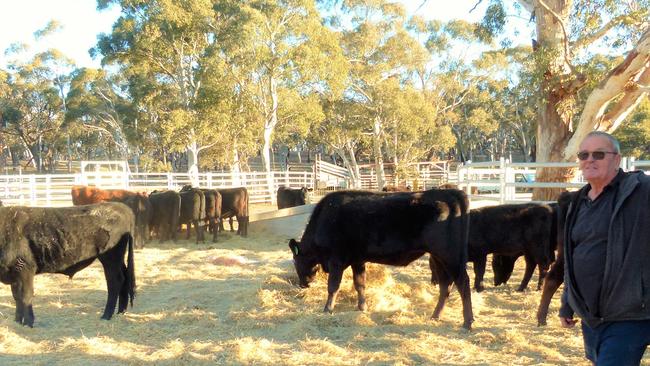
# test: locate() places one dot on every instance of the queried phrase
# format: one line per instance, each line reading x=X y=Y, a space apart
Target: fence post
x=48 y=190
x=170 y=181
x=630 y=162
x=510 y=178
x=32 y=188
x=502 y=180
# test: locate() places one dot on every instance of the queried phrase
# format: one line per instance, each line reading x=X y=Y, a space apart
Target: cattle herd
x=346 y=229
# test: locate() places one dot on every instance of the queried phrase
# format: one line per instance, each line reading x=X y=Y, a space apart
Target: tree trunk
x=557 y=98
x=377 y=151
x=235 y=167
x=193 y=163
x=269 y=126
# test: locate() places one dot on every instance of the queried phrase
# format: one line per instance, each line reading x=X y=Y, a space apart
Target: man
x=607 y=253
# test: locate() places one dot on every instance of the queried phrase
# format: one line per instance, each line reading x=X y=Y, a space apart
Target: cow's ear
x=293 y=245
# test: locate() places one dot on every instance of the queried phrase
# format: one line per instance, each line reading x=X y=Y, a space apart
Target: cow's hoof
x=541 y=323
x=520 y=289
x=362 y=306
x=328 y=310
x=480 y=288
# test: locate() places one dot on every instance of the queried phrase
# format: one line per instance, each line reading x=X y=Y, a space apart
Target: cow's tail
x=130 y=270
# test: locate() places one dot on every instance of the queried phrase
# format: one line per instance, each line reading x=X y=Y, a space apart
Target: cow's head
x=306 y=266
x=303 y=196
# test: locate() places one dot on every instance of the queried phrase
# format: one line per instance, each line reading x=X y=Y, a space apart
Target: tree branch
x=596 y=35
x=632 y=96
x=621 y=81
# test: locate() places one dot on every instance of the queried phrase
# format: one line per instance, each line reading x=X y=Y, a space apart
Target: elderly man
x=607 y=246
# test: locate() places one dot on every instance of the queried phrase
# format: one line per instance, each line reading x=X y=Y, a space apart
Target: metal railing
x=507 y=182
x=54 y=189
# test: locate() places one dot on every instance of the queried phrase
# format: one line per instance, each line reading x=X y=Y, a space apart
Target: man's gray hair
x=612 y=140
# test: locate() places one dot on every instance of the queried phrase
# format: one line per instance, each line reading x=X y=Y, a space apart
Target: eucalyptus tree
x=380 y=51
x=635 y=135
x=96 y=102
x=341 y=130
x=568 y=33
x=32 y=108
x=167 y=42
x=290 y=57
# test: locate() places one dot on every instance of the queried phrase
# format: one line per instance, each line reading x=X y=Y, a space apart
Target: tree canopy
x=210 y=84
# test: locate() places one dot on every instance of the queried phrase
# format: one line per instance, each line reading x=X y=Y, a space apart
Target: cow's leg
x=462 y=283
x=197 y=228
x=244 y=226
x=433 y=267
x=333 y=283
x=124 y=292
x=189 y=228
x=552 y=282
x=23 y=292
x=444 y=284
x=113 y=261
x=359 y=278
x=479 y=272
x=528 y=274
x=543 y=270
x=231 y=226
x=213 y=227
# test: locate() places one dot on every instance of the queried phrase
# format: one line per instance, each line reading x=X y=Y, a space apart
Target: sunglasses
x=597 y=155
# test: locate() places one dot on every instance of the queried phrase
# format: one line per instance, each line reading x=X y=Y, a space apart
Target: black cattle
x=555 y=276
x=67 y=240
x=512 y=230
x=350 y=228
x=142 y=210
x=166 y=208
x=192 y=211
x=291 y=197
x=212 y=211
x=234 y=202
x=396 y=189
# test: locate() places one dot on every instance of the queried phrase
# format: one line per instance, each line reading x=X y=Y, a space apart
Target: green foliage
x=634 y=136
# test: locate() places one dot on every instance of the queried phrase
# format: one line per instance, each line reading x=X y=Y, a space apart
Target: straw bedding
x=194 y=308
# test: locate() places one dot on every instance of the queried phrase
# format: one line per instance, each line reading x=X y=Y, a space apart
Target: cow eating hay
x=67 y=240
x=350 y=228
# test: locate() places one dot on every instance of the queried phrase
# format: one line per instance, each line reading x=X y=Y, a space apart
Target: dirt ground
x=236 y=302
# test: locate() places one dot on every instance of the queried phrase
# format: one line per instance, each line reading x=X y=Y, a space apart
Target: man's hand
x=568 y=322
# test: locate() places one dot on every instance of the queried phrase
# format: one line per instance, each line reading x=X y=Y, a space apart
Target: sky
x=82 y=23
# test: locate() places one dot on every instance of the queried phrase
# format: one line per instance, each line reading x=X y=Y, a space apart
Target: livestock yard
x=235 y=302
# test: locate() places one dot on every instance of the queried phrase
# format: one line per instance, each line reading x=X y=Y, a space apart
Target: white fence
x=507 y=182
x=54 y=189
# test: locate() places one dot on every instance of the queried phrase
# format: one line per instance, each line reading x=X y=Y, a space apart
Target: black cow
x=350 y=228
x=212 y=211
x=555 y=276
x=142 y=210
x=166 y=208
x=66 y=240
x=291 y=197
x=396 y=189
x=234 y=202
x=512 y=230
x=193 y=210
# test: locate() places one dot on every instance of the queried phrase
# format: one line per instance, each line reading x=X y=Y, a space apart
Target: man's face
x=599 y=171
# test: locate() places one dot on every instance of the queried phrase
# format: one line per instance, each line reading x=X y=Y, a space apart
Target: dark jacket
x=625 y=291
